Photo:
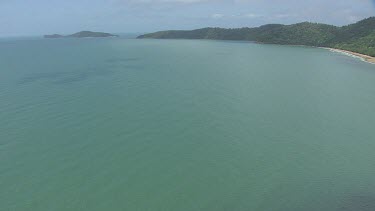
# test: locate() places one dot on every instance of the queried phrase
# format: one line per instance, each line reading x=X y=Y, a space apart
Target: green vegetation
x=358 y=37
x=82 y=34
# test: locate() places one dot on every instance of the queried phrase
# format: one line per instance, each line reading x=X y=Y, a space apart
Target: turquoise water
x=123 y=124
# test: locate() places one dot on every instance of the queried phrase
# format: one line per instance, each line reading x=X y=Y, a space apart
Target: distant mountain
x=358 y=37
x=82 y=34
x=53 y=36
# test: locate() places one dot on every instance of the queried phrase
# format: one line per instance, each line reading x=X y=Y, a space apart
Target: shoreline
x=363 y=57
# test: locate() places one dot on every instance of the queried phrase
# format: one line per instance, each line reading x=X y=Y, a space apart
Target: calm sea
x=184 y=125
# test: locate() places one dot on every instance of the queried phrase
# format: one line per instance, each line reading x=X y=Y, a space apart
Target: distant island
x=358 y=37
x=82 y=34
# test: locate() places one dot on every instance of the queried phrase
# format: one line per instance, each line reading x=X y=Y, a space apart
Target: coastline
x=363 y=57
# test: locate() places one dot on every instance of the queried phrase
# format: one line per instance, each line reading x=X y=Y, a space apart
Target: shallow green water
x=121 y=124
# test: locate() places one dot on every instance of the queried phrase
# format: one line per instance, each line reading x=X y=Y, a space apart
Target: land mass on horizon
x=82 y=34
x=358 y=37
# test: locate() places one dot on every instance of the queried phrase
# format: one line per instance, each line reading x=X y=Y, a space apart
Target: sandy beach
x=363 y=57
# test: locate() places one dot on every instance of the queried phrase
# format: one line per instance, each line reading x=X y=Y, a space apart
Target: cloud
x=217 y=16
x=251 y=15
x=236 y=16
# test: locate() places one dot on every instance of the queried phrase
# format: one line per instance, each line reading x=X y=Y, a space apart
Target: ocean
x=183 y=125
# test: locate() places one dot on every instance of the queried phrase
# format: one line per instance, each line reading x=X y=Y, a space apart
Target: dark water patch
x=363 y=202
x=121 y=60
x=120 y=66
x=66 y=76
x=39 y=76
x=81 y=76
x=126 y=67
x=73 y=78
x=122 y=63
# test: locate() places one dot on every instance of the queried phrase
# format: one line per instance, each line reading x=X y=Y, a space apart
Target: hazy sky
x=35 y=17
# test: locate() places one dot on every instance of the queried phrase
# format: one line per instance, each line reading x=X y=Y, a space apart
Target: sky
x=38 y=17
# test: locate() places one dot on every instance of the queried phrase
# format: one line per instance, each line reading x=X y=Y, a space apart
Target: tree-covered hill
x=358 y=37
